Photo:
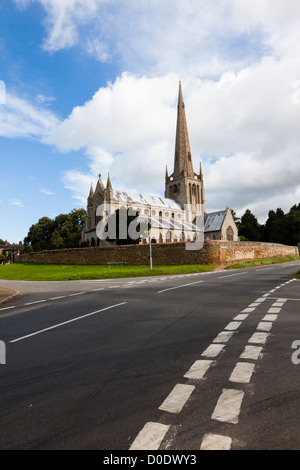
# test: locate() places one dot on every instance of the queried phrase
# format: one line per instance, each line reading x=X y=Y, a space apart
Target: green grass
x=262 y=262
x=68 y=272
x=297 y=275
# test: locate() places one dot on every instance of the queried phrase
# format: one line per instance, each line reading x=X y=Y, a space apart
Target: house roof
x=214 y=221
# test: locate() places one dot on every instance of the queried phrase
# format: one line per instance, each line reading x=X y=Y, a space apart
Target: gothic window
x=175 y=190
x=229 y=234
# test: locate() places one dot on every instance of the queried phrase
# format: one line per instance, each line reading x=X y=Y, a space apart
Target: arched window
x=229 y=234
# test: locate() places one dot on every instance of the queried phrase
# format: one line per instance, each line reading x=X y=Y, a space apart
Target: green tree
x=250 y=227
x=62 y=232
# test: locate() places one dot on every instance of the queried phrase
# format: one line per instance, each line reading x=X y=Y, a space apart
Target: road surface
x=201 y=361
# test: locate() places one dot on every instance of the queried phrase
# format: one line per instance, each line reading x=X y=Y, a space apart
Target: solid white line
x=178 y=287
x=66 y=322
x=215 y=442
x=228 y=407
x=213 y=350
x=242 y=372
x=229 y=275
x=198 y=369
x=150 y=437
x=176 y=400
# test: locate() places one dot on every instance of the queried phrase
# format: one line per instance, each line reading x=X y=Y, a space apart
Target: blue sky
x=91 y=87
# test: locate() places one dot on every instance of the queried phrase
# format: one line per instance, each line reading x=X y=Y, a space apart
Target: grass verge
x=262 y=262
x=70 y=272
x=297 y=275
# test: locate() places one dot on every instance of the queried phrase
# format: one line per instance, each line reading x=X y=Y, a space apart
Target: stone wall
x=213 y=252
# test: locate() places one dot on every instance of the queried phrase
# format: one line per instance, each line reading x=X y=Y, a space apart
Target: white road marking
x=7 y=308
x=96 y=290
x=198 y=369
x=150 y=437
x=248 y=310
x=241 y=316
x=223 y=337
x=242 y=372
x=230 y=275
x=259 y=338
x=176 y=400
x=56 y=298
x=178 y=287
x=263 y=269
x=274 y=309
x=251 y=352
x=66 y=322
x=213 y=350
x=255 y=304
x=228 y=407
x=76 y=293
x=264 y=326
x=270 y=317
x=260 y=299
x=36 y=302
x=215 y=442
x=233 y=325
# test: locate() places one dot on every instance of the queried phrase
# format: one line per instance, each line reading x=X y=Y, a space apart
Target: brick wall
x=213 y=252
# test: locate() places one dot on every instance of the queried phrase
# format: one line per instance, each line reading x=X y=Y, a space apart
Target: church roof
x=145 y=200
x=214 y=220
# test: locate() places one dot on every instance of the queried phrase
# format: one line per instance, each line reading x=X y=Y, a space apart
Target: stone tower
x=184 y=185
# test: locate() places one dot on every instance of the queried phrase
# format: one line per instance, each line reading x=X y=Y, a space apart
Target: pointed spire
x=91 y=191
x=183 y=157
x=167 y=176
x=201 y=173
x=108 y=184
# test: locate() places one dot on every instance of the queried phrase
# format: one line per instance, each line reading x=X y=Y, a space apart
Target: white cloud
x=20 y=117
x=46 y=191
x=15 y=202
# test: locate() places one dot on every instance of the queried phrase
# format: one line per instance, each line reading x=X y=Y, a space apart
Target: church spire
x=91 y=191
x=183 y=157
x=108 y=184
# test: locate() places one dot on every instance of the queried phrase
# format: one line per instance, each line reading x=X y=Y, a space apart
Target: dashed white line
x=233 y=325
x=259 y=338
x=150 y=437
x=251 y=352
x=213 y=350
x=176 y=400
x=230 y=275
x=179 y=287
x=76 y=293
x=198 y=369
x=242 y=372
x=264 y=326
x=36 y=302
x=228 y=407
x=223 y=337
x=215 y=442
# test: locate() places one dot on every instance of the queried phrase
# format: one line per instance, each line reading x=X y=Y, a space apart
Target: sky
x=90 y=87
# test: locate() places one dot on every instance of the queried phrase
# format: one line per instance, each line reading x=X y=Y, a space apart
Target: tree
x=249 y=227
x=62 y=232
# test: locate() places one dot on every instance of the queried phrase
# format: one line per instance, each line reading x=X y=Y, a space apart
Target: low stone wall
x=213 y=252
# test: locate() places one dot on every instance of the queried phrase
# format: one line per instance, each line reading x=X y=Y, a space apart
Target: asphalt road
x=184 y=362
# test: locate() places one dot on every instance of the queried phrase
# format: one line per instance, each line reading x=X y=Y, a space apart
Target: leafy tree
x=62 y=232
x=250 y=227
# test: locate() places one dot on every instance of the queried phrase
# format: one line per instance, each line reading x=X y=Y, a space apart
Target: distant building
x=167 y=215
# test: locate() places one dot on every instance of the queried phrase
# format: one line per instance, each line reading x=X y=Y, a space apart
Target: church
x=174 y=217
